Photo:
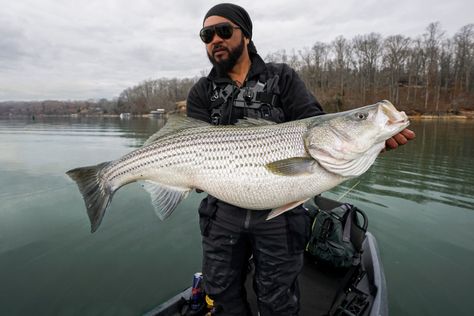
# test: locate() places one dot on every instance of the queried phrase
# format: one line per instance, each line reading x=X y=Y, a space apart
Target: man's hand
x=400 y=139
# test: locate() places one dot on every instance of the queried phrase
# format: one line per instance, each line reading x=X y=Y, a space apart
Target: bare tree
x=367 y=49
x=464 y=59
x=396 y=49
x=446 y=68
x=432 y=40
x=342 y=51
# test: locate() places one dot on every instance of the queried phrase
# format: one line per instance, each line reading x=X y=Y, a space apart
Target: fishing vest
x=256 y=100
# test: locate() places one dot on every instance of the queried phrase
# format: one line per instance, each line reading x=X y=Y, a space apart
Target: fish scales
x=212 y=152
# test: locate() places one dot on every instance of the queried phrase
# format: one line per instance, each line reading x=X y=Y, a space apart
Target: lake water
x=419 y=200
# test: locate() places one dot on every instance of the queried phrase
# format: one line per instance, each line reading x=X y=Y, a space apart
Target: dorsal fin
x=174 y=124
x=253 y=122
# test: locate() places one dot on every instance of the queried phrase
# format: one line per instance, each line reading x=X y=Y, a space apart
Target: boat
x=356 y=291
x=158 y=113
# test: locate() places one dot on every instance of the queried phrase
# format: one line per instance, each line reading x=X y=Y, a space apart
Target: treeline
x=140 y=99
x=428 y=74
x=431 y=73
x=54 y=107
x=153 y=94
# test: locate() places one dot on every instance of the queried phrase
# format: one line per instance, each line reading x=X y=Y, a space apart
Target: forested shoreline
x=430 y=74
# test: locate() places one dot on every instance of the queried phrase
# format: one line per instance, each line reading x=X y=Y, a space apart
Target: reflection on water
x=137 y=129
x=420 y=203
x=419 y=200
x=436 y=167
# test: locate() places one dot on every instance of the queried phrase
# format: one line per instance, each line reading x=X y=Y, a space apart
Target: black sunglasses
x=223 y=30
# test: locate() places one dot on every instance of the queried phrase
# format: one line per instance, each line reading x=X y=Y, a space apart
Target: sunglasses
x=223 y=30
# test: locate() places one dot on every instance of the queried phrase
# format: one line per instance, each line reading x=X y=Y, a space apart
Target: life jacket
x=257 y=99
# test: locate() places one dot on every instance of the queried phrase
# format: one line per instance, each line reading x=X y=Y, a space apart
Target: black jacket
x=295 y=100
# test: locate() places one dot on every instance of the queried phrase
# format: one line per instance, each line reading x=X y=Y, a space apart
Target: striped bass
x=254 y=164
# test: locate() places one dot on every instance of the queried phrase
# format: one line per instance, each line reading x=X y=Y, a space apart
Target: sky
x=80 y=50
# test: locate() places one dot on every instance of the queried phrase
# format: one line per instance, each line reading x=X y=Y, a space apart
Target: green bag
x=336 y=237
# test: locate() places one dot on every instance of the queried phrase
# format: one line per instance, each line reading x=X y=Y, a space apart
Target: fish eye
x=361 y=115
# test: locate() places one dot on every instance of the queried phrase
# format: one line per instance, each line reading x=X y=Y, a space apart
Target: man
x=241 y=85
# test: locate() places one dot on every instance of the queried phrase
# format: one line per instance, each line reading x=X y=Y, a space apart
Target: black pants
x=231 y=235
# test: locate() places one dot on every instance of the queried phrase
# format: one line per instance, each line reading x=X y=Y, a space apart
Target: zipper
x=235 y=92
x=247 y=219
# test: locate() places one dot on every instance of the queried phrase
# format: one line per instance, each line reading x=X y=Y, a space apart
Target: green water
x=419 y=200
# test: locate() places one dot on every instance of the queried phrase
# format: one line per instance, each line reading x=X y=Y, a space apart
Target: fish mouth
x=395 y=119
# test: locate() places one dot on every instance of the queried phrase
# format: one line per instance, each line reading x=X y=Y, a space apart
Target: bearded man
x=241 y=85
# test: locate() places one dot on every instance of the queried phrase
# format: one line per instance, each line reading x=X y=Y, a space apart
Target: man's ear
x=247 y=40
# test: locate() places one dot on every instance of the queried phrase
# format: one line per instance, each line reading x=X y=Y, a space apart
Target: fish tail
x=96 y=191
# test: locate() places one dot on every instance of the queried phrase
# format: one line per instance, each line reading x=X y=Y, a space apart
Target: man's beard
x=223 y=66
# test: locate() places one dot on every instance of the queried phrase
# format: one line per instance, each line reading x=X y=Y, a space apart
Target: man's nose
x=216 y=39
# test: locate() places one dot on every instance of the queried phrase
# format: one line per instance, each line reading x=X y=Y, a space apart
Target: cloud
x=52 y=49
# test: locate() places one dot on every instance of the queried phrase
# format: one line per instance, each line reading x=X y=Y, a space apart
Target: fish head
x=347 y=143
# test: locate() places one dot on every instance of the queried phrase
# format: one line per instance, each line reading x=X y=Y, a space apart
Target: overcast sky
x=64 y=49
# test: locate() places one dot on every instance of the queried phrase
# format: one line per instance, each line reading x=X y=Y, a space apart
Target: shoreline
x=441 y=116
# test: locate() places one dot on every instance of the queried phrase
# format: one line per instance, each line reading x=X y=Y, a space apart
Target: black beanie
x=238 y=15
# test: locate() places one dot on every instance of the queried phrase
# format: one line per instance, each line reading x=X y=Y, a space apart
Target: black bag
x=337 y=237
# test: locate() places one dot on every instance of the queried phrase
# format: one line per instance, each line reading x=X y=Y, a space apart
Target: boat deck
x=364 y=291
x=318 y=286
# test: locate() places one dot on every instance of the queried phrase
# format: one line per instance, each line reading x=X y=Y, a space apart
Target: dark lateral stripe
x=173 y=145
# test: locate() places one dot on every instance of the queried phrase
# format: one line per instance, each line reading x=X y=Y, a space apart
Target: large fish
x=254 y=164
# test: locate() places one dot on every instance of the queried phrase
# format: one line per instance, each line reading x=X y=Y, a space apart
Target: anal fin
x=165 y=198
x=282 y=209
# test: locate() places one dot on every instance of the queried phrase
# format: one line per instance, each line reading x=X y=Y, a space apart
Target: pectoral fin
x=295 y=166
x=284 y=208
x=165 y=198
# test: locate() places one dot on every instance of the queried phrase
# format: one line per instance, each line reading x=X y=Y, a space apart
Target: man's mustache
x=219 y=47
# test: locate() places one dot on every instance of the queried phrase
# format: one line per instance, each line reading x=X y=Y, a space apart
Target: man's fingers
x=391 y=143
x=400 y=139
x=409 y=134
